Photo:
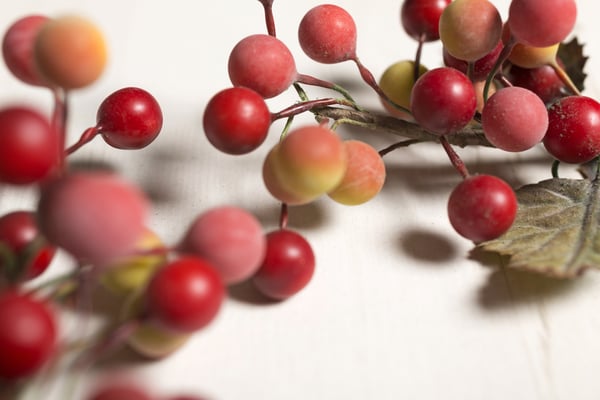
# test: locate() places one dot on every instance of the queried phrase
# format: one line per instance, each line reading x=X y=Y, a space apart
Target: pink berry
x=230 y=238
x=327 y=34
x=95 y=216
x=262 y=63
x=541 y=23
x=514 y=119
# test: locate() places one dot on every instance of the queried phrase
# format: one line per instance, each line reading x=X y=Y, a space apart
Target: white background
x=396 y=309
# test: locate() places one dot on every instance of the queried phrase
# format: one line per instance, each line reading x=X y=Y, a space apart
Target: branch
x=469 y=136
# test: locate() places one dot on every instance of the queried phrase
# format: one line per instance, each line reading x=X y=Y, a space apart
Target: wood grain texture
x=398 y=308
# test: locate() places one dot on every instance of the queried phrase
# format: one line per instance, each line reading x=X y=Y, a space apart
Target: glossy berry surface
x=28 y=335
x=541 y=23
x=482 y=207
x=421 y=18
x=543 y=81
x=327 y=34
x=481 y=67
x=236 y=120
x=443 y=100
x=185 y=295
x=18 y=48
x=262 y=63
x=29 y=147
x=129 y=118
x=573 y=134
x=29 y=253
x=288 y=266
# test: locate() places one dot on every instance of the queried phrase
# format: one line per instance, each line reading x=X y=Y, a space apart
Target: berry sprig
x=168 y=292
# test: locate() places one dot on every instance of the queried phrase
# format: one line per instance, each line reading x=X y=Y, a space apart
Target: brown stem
x=304 y=106
x=59 y=123
x=398 y=145
x=417 y=66
x=311 y=80
x=283 y=216
x=369 y=79
x=469 y=136
x=455 y=159
x=269 y=20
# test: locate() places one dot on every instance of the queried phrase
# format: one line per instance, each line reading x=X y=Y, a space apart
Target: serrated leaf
x=557 y=228
x=573 y=59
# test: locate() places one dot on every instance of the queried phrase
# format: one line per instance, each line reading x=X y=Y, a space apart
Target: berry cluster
x=501 y=77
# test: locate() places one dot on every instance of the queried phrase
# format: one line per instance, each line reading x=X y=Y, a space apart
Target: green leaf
x=556 y=231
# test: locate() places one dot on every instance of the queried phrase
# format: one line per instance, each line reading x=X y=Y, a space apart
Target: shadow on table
x=508 y=287
x=427 y=246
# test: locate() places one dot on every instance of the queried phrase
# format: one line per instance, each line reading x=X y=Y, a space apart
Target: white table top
x=396 y=308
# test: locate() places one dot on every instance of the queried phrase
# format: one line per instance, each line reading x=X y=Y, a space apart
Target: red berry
x=443 y=100
x=481 y=67
x=29 y=147
x=28 y=335
x=129 y=118
x=482 y=207
x=542 y=81
x=288 y=266
x=30 y=252
x=421 y=18
x=573 y=134
x=185 y=295
x=236 y=120
x=18 y=48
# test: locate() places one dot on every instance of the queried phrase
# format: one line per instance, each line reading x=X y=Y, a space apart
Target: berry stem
x=455 y=159
x=417 y=66
x=59 y=123
x=86 y=137
x=107 y=344
x=369 y=79
x=564 y=77
x=468 y=136
x=283 y=216
x=269 y=20
x=311 y=80
x=502 y=57
x=304 y=106
x=397 y=145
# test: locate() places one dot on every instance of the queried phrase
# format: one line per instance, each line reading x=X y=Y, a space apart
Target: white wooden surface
x=396 y=309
